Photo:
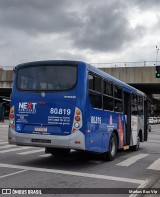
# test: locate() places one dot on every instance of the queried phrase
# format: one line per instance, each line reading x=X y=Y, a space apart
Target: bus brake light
x=77 y=118
x=11 y=116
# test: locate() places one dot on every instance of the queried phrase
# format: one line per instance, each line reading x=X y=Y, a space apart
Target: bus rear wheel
x=113 y=145
x=59 y=152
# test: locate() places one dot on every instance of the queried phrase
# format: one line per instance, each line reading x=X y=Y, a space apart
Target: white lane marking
x=32 y=151
x=132 y=160
x=12 y=174
x=143 y=185
x=4 y=126
x=155 y=165
x=14 y=149
x=3 y=143
x=7 y=146
x=45 y=155
x=154 y=141
x=72 y=173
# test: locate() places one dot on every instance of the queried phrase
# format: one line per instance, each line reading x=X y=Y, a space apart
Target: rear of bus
x=47 y=105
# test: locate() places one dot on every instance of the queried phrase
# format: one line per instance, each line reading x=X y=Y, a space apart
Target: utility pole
x=156 y=54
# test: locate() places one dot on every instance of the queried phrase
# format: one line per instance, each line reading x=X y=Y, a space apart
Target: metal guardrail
x=125 y=64
x=111 y=65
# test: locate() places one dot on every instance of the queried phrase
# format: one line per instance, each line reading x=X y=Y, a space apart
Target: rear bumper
x=56 y=141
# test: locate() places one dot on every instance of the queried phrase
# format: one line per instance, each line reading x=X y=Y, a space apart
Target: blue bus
x=64 y=105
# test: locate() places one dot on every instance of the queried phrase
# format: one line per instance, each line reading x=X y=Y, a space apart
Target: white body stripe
x=56 y=141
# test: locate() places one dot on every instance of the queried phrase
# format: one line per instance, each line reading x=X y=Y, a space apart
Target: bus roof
x=48 y=62
x=97 y=71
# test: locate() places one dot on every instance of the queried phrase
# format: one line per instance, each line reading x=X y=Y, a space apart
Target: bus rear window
x=51 y=78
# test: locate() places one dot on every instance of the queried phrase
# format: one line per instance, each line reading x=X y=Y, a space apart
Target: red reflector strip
x=12 y=126
x=77 y=142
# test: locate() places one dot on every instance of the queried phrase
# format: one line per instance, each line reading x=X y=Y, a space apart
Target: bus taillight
x=77 y=121
x=11 y=117
x=78 y=112
x=77 y=125
x=77 y=118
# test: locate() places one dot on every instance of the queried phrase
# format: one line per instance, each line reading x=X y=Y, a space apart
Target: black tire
x=135 y=147
x=58 y=152
x=113 y=145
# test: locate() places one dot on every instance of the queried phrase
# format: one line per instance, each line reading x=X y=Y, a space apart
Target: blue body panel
x=54 y=113
x=40 y=113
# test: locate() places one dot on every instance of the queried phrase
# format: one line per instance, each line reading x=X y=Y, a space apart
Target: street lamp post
x=156 y=54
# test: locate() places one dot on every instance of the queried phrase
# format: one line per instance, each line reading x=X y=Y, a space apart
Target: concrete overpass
x=6 y=79
x=142 y=78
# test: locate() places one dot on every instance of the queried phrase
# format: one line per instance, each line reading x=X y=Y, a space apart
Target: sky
x=95 y=31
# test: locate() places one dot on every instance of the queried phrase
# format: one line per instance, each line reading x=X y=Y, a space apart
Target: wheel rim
x=113 y=147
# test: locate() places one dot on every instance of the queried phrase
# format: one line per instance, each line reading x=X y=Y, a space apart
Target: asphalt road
x=30 y=169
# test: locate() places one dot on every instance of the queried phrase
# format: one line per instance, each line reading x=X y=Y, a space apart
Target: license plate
x=41 y=140
x=41 y=129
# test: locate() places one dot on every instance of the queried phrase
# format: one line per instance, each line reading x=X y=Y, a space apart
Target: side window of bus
x=140 y=106
x=108 y=96
x=134 y=105
x=91 y=82
x=118 y=104
x=95 y=93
